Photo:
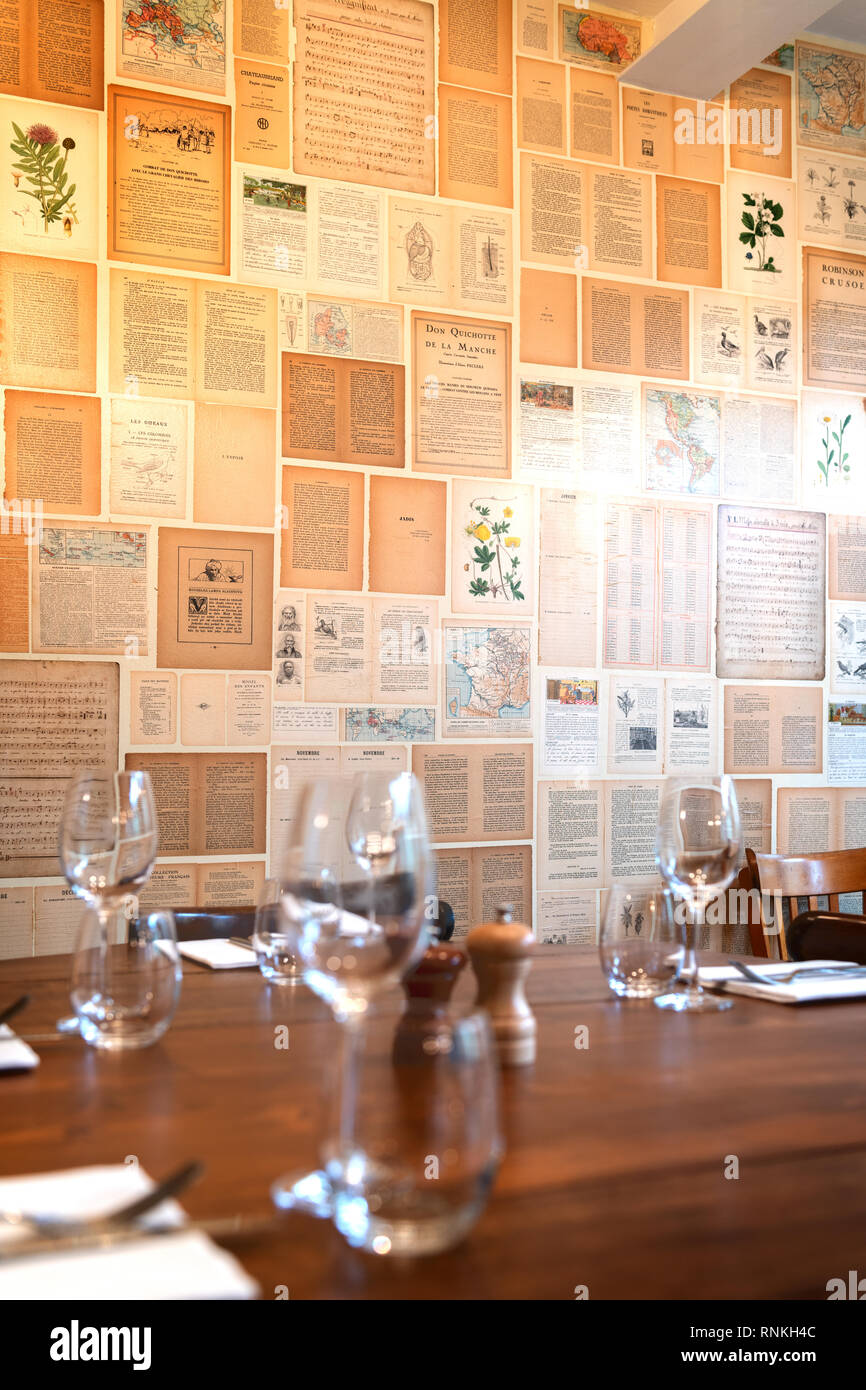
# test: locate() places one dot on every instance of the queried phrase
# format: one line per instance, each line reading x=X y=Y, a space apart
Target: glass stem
x=353 y=1030
x=690 y=964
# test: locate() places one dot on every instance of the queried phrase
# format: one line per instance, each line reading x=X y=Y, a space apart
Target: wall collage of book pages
x=388 y=384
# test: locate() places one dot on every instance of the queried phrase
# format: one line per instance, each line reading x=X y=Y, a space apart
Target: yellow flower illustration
x=512 y=540
x=482 y=532
x=508 y=512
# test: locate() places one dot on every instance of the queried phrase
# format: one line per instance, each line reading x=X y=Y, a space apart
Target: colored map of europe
x=832 y=99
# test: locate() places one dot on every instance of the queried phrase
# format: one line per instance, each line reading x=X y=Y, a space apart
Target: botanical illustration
x=40 y=172
x=494 y=563
x=834 y=456
x=762 y=219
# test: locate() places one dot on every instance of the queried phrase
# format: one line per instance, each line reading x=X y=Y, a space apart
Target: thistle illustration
x=42 y=159
x=626 y=702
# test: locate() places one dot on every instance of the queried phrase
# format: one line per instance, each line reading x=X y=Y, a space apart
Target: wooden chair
x=788 y=881
x=197 y=923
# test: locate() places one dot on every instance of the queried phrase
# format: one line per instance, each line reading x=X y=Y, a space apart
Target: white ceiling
x=845 y=21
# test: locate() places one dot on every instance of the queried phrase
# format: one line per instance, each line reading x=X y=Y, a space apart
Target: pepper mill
x=500 y=953
x=428 y=991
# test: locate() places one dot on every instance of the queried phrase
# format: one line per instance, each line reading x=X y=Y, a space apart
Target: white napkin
x=164 y=1267
x=14 y=1052
x=806 y=989
x=217 y=953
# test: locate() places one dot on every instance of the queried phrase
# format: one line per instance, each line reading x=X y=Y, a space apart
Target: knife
x=221 y=1228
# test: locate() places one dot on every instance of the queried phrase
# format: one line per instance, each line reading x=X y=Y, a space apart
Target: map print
x=682 y=441
x=487 y=681
x=330 y=331
x=599 y=40
x=373 y=724
x=177 y=41
x=831 y=99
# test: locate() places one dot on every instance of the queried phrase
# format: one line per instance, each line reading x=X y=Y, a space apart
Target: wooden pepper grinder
x=500 y=953
x=428 y=990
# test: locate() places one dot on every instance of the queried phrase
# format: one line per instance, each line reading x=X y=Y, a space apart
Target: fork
x=755 y=976
x=126 y=1215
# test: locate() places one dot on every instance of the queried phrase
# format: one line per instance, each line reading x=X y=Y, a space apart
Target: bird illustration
x=760 y=328
x=844 y=669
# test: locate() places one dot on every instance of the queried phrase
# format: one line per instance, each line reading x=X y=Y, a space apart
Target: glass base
x=312 y=1193
x=692 y=1001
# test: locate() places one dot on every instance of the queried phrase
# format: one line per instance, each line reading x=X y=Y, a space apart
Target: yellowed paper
x=90 y=590
x=53 y=451
x=262 y=114
x=214 y=599
x=323 y=529
x=631 y=814
x=689 y=232
x=236 y=344
x=755 y=801
x=541 y=106
x=230 y=885
x=461 y=389
x=261 y=30
x=635 y=329
x=407 y=535
x=441 y=255
x=14 y=584
x=812 y=820
x=593 y=116
x=169 y=161
x=548 y=317
x=148 y=457
x=487 y=681
x=341 y=410
x=773 y=729
x=570 y=834
x=475 y=44
x=172 y=46
x=405 y=647
x=37 y=217
x=597 y=38
x=493 y=551
x=48 y=333
x=475 y=882
x=760 y=107
x=673 y=135
x=846 y=543
x=289 y=647
x=379 y=650
x=248 y=709
x=579 y=215
x=16 y=923
x=568 y=578
x=834 y=292
x=475 y=146
x=152 y=707
x=57 y=919
x=354 y=68
x=53 y=52
x=476 y=793
x=337 y=328
x=203 y=709
x=55 y=717
x=534 y=27
x=171 y=887
x=233 y=481
x=207 y=803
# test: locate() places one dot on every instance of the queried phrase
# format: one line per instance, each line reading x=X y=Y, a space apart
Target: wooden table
x=614 y=1176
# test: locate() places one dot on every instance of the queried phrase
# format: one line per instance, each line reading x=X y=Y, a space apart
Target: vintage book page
x=534 y=27
x=773 y=729
x=405 y=651
x=691 y=727
x=53 y=52
x=323 y=530
x=48 y=337
x=171 y=886
x=580 y=215
x=16 y=923
x=487 y=685
x=53 y=451
x=214 y=599
x=172 y=47
x=770 y=601
x=55 y=717
x=275 y=219
x=475 y=44
x=407 y=535
x=571 y=745
x=846 y=744
x=262 y=114
x=685 y=587
x=630 y=615
x=14 y=585
x=57 y=913
x=353 y=68
x=570 y=834
x=631 y=813
x=548 y=429
x=541 y=106
x=568 y=578
x=846 y=543
x=548 y=317
x=760 y=105
x=759 y=448
x=248 y=709
x=567 y=919
x=289 y=646
x=634 y=329
x=349 y=258
x=338 y=650
x=719 y=338
x=847 y=647
x=90 y=590
x=673 y=135
x=474 y=147
x=340 y=410
x=233 y=478
x=755 y=800
x=203 y=709
x=441 y=255
x=148 y=457
x=236 y=344
x=593 y=116
x=169 y=164
x=207 y=803
x=831 y=199
x=461 y=391
x=771 y=346
x=815 y=819
x=493 y=558
x=761 y=235
x=230 y=885
x=51 y=192
x=476 y=793
x=608 y=425
x=636 y=725
x=834 y=292
x=152 y=707
x=689 y=231
x=261 y=31
x=346 y=328
x=475 y=882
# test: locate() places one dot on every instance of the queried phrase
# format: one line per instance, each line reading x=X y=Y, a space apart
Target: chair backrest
x=198 y=923
x=828 y=936
x=786 y=881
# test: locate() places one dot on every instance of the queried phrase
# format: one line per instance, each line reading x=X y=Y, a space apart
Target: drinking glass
x=270 y=940
x=427 y=1142
x=124 y=996
x=354 y=935
x=639 y=948
x=697 y=849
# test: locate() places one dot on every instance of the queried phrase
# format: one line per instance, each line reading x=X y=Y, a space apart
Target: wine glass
x=355 y=937
x=107 y=846
x=697 y=849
